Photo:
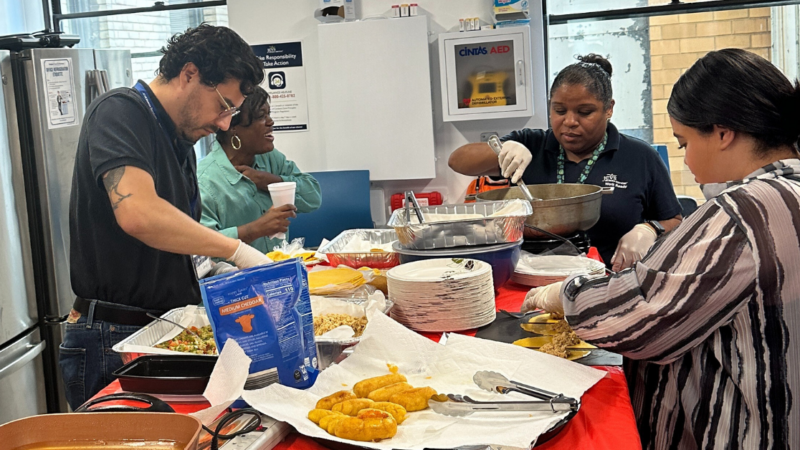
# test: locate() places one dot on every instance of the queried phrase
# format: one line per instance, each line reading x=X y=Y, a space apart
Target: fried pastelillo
x=315 y=415
x=338 y=397
x=353 y=406
x=413 y=399
x=370 y=425
x=397 y=411
x=364 y=387
x=383 y=394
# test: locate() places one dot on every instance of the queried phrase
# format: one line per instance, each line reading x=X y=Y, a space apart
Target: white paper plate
x=436 y=270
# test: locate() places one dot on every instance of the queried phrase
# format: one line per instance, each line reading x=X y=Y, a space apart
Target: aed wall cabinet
x=486 y=74
x=377 y=107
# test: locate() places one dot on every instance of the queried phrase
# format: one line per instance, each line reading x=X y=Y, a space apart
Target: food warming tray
x=160 y=374
x=488 y=229
x=337 y=253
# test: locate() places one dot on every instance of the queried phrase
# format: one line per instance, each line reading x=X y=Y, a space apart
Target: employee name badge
x=202 y=265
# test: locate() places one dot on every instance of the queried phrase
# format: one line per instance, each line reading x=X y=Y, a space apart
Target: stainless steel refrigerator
x=45 y=94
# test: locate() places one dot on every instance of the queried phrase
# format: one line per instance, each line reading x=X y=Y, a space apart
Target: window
x=650 y=53
x=142 y=33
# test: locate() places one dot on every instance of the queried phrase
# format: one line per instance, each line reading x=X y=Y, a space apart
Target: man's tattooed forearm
x=111 y=181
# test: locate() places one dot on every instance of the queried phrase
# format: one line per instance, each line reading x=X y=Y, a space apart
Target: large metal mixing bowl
x=561 y=209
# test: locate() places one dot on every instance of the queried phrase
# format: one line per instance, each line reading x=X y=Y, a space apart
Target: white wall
x=274 y=21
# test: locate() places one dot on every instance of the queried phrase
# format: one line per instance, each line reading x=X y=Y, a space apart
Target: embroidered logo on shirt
x=610 y=180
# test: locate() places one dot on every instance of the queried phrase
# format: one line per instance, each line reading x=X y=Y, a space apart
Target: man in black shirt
x=135 y=206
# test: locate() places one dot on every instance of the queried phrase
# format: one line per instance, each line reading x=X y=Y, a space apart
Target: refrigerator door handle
x=33 y=352
x=104 y=80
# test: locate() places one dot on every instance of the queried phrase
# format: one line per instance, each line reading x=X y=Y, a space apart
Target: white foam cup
x=282 y=194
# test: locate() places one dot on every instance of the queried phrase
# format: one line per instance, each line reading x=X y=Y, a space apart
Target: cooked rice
x=327 y=322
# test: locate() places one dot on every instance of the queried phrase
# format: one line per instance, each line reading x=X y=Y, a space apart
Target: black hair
x=742 y=91
x=249 y=109
x=219 y=54
x=593 y=72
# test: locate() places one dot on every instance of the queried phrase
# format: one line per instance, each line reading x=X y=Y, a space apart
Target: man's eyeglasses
x=229 y=111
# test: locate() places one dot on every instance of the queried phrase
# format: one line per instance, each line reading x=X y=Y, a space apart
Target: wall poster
x=285 y=80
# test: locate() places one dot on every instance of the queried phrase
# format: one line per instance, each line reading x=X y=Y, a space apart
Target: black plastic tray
x=158 y=374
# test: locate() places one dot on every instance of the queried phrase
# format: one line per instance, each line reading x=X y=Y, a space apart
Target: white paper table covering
x=447 y=370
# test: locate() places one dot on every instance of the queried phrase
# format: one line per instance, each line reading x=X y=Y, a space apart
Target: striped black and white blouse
x=710 y=321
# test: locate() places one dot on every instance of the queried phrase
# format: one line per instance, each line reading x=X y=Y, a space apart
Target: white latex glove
x=513 y=159
x=220 y=268
x=246 y=256
x=547 y=298
x=633 y=246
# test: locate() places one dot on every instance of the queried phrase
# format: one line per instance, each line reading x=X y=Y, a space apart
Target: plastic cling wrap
x=267 y=311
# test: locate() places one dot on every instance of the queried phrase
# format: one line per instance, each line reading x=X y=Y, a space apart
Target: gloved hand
x=246 y=256
x=633 y=246
x=513 y=159
x=220 y=268
x=547 y=298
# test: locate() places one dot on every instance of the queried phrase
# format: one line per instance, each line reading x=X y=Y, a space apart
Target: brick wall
x=676 y=42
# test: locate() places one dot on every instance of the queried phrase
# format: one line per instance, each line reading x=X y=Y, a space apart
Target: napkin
x=226 y=383
x=448 y=369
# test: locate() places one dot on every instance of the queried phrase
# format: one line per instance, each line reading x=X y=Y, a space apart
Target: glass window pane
x=76 y=6
x=649 y=54
x=583 y=6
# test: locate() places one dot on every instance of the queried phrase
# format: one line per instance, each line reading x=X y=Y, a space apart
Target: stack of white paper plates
x=534 y=270
x=442 y=294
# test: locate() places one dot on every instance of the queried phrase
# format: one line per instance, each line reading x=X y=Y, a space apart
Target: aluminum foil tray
x=152 y=333
x=335 y=351
x=442 y=234
x=336 y=250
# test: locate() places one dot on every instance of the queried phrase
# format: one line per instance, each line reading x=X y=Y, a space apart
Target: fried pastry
x=338 y=397
x=397 y=411
x=328 y=423
x=316 y=415
x=370 y=425
x=353 y=406
x=383 y=394
x=364 y=387
x=413 y=399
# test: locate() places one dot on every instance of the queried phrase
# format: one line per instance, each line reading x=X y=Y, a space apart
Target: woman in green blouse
x=234 y=177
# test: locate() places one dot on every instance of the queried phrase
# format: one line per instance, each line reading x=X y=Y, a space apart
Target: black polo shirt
x=106 y=263
x=642 y=185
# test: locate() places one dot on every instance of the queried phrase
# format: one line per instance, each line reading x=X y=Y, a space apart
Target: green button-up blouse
x=230 y=199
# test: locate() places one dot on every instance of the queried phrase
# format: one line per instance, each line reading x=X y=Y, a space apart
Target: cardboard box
x=510 y=9
x=346 y=8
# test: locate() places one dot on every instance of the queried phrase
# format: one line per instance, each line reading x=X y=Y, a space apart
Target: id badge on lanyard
x=202 y=264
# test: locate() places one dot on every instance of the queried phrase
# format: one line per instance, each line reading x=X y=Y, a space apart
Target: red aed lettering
x=501 y=49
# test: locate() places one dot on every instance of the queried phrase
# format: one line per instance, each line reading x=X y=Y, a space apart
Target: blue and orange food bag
x=267 y=311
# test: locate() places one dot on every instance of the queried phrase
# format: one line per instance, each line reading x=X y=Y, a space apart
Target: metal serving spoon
x=496 y=145
x=152 y=316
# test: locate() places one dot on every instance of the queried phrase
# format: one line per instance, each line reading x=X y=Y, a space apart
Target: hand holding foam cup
x=282 y=194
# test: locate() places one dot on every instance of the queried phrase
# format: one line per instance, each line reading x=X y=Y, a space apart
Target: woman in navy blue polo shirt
x=583 y=146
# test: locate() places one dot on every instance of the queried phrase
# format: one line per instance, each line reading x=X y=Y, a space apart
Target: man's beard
x=189 y=127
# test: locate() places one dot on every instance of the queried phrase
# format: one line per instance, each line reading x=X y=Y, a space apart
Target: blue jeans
x=86 y=358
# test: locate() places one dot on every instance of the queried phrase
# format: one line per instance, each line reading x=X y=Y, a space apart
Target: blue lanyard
x=143 y=92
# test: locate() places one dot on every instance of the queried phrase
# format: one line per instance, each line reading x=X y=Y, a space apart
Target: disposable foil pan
x=335 y=351
x=336 y=250
x=487 y=230
x=150 y=334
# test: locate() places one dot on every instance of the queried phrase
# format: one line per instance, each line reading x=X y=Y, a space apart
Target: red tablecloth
x=605 y=420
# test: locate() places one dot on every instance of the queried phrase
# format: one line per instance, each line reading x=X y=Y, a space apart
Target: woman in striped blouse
x=709 y=320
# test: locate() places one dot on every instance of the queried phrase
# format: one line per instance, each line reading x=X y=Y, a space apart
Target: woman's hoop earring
x=236 y=143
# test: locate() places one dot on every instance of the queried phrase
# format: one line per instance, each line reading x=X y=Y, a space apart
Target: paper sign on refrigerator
x=59 y=90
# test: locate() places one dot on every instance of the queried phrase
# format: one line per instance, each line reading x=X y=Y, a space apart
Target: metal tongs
x=496 y=145
x=411 y=201
x=462 y=405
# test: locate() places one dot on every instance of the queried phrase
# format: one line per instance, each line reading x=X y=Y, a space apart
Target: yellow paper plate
x=538 y=341
x=545 y=329
x=578 y=354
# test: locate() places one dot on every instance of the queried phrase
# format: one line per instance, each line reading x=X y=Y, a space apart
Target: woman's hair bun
x=594 y=58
